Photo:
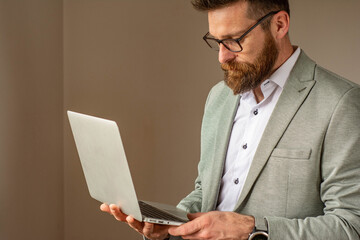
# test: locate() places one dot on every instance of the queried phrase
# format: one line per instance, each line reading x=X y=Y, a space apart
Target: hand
x=149 y=230
x=215 y=225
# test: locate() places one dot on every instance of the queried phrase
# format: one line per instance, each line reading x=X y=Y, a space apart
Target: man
x=280 y=153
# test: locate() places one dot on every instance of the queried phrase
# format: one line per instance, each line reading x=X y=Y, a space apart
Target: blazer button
x=245 y=146
x=256 y=112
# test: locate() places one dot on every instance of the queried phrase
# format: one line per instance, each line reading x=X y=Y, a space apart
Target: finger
x=194 y=236
x=192 y=216
x=105 y=208
x=116 y=212
x=148 y=229
x=185 y=229
x=138 y=226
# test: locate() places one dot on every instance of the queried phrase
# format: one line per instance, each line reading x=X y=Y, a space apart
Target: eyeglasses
x=233 y=45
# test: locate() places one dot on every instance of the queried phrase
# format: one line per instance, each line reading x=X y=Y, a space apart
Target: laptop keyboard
x=152 y=212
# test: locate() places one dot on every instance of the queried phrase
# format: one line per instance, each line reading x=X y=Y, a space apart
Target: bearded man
x=280 y=155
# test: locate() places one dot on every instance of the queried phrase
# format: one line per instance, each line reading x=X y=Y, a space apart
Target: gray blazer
x=305 y=176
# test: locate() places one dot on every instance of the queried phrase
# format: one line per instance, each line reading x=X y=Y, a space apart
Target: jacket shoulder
x=332 y=84
x=219 y=93
x=332 y=79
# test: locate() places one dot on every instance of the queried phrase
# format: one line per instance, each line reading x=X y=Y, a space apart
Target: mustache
x=230 y=66
x=235 y=66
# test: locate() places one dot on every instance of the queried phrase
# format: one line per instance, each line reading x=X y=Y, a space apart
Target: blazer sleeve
x=192 y=203
x=340 y=186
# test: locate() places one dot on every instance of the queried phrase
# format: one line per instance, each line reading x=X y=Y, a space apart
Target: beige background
x=142 y=63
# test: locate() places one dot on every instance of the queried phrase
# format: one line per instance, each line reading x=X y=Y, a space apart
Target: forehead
x=229 y=20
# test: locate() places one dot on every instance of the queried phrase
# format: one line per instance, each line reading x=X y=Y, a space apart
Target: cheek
x=245 y=57
x=252 y=47
x=250 y=53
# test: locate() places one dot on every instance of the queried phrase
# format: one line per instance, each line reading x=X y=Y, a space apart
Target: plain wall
x=31 y=124
x=141 y=63
x=328 y=32
x=144 y=64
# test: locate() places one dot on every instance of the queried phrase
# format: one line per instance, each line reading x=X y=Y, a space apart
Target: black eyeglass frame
x=237 y=40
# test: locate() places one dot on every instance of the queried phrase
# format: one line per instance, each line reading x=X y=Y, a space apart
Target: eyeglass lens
x=229 y=44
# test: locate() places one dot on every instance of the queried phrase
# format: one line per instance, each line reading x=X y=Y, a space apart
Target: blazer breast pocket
x=283 y=172
x=291 y=153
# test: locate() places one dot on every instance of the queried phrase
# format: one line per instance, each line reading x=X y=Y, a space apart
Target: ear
x=280 y=24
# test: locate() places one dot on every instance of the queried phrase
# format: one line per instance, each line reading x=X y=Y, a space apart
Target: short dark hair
x=256 y=9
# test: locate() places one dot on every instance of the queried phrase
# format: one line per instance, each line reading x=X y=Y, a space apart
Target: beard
x=243 y=77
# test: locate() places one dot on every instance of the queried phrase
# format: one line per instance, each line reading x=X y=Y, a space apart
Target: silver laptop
x=107 y=173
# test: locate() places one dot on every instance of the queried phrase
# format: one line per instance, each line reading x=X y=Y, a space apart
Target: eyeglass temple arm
x=255 y=25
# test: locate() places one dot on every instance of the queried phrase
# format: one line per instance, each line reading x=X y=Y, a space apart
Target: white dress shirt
x=248 y=126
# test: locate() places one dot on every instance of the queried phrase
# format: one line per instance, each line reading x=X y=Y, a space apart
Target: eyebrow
x=231 y=35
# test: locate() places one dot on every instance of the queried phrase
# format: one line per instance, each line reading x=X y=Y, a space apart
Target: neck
x=284 y=55
x=259 y=96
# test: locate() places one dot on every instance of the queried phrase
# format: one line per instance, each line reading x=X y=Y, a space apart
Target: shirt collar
x=278 y=78
x=282 y=73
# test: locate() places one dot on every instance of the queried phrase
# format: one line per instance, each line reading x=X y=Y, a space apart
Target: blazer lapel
x=295 y=91
x=223 y=127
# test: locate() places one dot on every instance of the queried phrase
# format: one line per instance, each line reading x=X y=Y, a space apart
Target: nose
x=225 y=55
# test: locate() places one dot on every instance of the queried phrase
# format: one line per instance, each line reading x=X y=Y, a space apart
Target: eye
x=232 y=45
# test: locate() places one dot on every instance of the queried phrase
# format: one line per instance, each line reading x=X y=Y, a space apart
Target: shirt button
x=236 y=181
x=256 y=112
x=245 y=146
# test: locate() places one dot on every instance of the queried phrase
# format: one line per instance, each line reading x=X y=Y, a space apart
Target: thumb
x=192 y=216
